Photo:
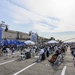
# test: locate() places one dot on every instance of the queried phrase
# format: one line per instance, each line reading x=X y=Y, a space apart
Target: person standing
x=42 y=54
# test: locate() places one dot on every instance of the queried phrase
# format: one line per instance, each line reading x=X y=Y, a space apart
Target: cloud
x=43 y=15
x=22 y=16
x=41 y=27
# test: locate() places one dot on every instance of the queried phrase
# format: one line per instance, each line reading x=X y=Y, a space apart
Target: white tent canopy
x=29 y=42
x=67 y=42
x=52 y=41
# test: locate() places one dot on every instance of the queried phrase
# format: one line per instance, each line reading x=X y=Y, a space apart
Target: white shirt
x=41 y=51
x=56 y=48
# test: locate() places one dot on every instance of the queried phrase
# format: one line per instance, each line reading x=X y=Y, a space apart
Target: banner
x=0 y=35
x=34 y=38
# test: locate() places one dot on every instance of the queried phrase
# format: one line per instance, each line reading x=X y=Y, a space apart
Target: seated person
x=53 y=59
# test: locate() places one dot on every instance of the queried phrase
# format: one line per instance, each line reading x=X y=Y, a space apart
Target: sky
x=49 y=18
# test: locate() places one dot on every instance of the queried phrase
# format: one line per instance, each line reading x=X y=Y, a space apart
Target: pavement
x=12 y=66
x=69 y=63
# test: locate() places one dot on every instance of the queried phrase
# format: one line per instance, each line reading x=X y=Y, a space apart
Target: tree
x=52 y=38
x=60 y=41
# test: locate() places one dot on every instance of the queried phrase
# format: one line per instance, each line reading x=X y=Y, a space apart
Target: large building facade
x=10 y=34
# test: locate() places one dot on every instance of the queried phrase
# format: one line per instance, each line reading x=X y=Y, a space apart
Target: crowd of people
x=58 y=55
x=72 y=48
x=41 y=50
x=56 y=50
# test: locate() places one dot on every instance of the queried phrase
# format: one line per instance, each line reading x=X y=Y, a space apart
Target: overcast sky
x=49 y=18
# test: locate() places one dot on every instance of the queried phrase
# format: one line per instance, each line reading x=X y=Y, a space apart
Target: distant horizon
x=73 y=32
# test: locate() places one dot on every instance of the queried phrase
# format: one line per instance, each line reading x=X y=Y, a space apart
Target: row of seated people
x=58 y=53
x=42 y=55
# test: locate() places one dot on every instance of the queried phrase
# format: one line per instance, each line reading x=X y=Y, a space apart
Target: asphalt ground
x=11 y=66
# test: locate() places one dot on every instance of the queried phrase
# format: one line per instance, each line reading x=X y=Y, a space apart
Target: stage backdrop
x=34 y=38
x=0 y=35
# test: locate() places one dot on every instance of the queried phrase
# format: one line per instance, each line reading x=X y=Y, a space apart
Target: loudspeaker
x=6 y=29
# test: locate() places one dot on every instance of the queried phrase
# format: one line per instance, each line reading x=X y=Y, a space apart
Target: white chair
x=22 y=56
x=9 y=54
x=38 y=57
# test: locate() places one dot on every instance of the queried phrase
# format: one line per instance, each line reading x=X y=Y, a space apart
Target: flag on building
x=0 y=35
x=34 y=38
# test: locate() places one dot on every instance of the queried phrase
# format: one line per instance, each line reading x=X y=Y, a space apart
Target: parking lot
x=11 y=66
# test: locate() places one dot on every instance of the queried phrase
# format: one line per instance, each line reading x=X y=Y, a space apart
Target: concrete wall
x=23 y=35
x=9 y=34
x=14 y=34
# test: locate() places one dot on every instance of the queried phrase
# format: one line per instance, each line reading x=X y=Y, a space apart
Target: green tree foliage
x=52 y=38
